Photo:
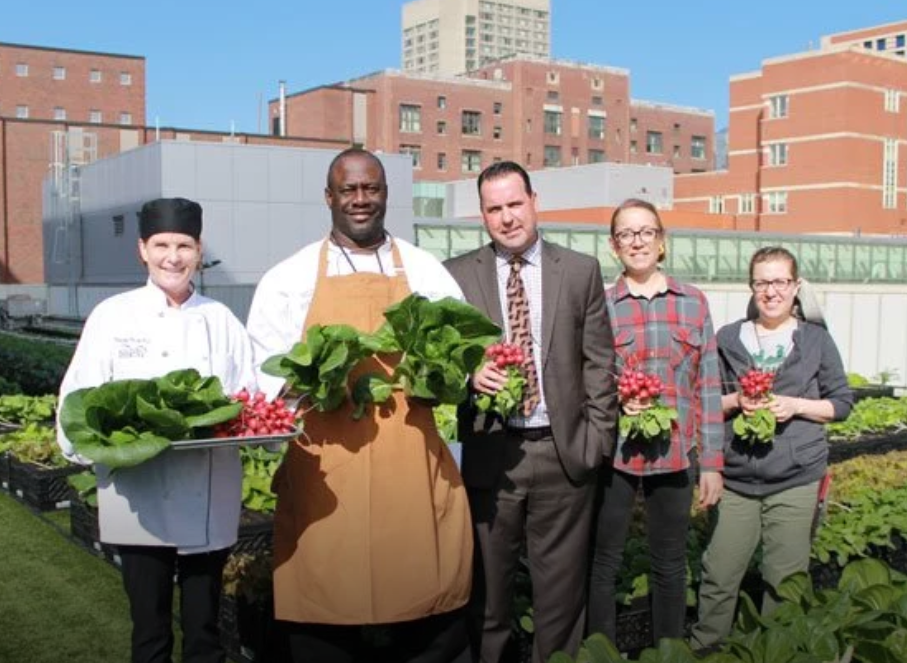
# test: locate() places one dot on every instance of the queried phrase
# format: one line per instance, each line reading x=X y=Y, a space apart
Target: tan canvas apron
x=372 y=522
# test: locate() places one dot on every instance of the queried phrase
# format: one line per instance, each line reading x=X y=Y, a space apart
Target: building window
x=899 y=41
x=597 y=101
x=552 y=156
x=633 y=148
x=716 y=205
x=553 y=96
x=553 y=78
x=119 y=225
x=21 y=70
x=497 y=132
x=890 y=174
x=22 y=112
x=553 y=123
x=442 y=102
x=415 y=153
x=747 y=203
x=442 y=127
x=472 y=123
x=777 y=154
x=596 y=127
x=880 y=44
x=59 y=73
x=94 y=76
x=59 y=113
x=442 y=161
x=410 y=118
x=892 y=101
x=654 y=142
x=697 y=147
x=94 y=116
x=498 y=106
x=471 y=161
x=776 y=202
x=125 y=78
x=125 y=118
x=597 y=83
x=596 y=156
x=777 y=106
x=633 y=125
x=676 y=151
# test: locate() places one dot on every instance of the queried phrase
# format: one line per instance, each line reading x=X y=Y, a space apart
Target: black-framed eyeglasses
x=780 y=285
x=627 y=237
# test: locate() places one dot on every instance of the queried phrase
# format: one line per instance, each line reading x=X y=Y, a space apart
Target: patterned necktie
x=521 y=333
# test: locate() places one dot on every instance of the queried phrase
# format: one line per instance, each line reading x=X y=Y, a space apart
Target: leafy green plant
x=259 y=466
x=872 y=415
x=249 y=576
x=446 y=422
x=441 y=344
x=318 y=367
x=86 y=485
x=126 y=422
x=857 y=380
x=868 y=518
x=36 y=366
x=21 y=409
x=34 y=443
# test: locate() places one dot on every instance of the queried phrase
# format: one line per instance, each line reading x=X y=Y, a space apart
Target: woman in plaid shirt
x=661 y=327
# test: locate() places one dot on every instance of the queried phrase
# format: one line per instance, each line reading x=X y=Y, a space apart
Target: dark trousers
x=533 y=499
x=148 y=573
x=435 y=639
x=668 y=498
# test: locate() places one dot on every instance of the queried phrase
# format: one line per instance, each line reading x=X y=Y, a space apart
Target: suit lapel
x=487 y=275
x=552 y=275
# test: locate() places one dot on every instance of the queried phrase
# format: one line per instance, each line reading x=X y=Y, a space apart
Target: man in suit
x=534 y=474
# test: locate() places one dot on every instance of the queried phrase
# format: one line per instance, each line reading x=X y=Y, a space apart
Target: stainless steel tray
x=217 y=442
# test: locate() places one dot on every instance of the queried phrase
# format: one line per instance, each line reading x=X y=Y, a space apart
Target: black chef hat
x=170 y=215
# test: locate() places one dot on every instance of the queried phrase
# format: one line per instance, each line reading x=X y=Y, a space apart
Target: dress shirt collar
x=531 y=256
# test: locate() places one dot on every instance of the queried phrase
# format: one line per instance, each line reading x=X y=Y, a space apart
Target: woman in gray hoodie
x=770 y=487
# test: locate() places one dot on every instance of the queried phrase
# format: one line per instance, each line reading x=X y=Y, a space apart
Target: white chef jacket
x=187 y=499
x=282 y=298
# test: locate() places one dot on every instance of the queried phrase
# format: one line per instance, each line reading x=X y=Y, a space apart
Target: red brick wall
x=75 y=94
x=677 y=129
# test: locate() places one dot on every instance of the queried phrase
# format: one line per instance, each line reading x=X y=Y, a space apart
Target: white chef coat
x=282 y=298
x=187 y=499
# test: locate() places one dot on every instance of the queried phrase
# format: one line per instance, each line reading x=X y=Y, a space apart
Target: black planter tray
x=218 y=442
x=44 y=489
x=83 y=527
x=256 y=533
x=4 y=470
x=870 y=444
x=249 y=632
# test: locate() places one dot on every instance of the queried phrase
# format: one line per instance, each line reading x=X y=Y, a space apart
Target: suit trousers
x=782 y=523
x=668 y=498
x=148 y=573
x=533 y=498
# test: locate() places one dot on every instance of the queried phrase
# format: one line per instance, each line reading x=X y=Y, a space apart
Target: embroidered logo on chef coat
x=131 y=347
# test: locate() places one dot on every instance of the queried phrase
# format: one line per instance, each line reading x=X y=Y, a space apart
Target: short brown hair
x=769 y=253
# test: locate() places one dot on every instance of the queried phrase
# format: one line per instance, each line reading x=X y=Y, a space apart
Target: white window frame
x=95 y=116
x=125 y=78
x=59 y=73
x=471 y=161
x=694 y=142
x=776 y=202
x=410 y=118
x=22 y=111
x=95 y=76
x=22 y=69
x=747 y=203
x=892 y=101
x=777 y=154
x=890 y=174
x=59 y=113
x=778 y=106
x=716 y=205
x=125 y=117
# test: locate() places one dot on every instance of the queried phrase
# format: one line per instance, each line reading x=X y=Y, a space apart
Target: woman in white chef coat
x=177 y=514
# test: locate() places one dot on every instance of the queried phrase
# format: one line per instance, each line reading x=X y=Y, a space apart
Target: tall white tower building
x=456 y=36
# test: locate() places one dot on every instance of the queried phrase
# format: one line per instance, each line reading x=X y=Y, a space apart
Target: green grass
x=58 y=603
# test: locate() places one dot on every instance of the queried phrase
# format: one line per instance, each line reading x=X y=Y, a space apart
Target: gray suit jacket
x=577 y=361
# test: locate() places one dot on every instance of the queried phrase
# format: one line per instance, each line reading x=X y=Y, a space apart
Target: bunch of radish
x=259 y=417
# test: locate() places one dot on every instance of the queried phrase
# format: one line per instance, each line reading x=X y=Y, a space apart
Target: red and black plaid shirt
x=671 y=335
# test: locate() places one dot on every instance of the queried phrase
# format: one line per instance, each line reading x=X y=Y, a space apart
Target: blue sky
x=212 y=63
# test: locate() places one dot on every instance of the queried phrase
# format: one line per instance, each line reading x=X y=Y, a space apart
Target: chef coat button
x=165 y=354
x=204 y=358
x=161 y=314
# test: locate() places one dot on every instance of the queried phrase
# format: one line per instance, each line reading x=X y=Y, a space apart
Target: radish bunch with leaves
x=759 y=426
x=509 y=358
x=654 y=421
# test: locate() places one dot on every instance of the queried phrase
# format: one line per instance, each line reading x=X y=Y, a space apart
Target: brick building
x=540 y=112
x=816 y=141
x=96 y=101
